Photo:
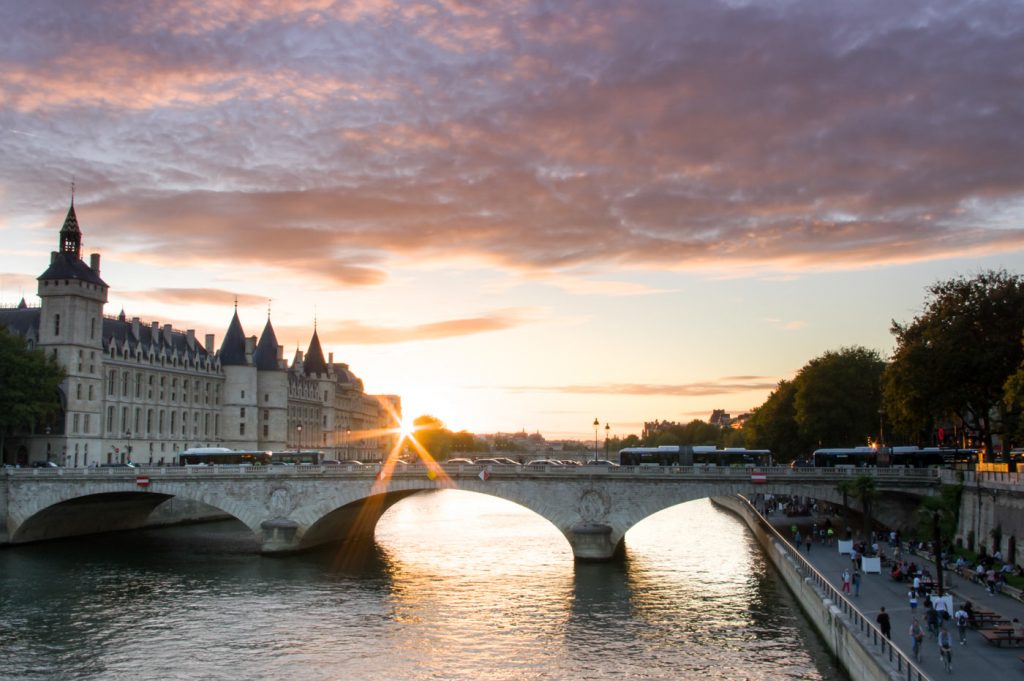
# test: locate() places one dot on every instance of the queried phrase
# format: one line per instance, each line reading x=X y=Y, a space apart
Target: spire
x=70 y=234
x=232 y=349
x=315 y=363
x=265 y=357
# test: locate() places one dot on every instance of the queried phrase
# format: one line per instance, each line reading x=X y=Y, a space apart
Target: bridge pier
x=592 y=542
x=279 y=536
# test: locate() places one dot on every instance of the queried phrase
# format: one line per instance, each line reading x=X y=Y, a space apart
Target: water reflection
x=455 y=586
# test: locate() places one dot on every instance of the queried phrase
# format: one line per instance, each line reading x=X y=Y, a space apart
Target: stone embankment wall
x=854 y=653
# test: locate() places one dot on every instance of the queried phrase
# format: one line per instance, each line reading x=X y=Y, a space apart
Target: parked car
x=544 y=462
x=330 y=462
x=459 y=461
x=44 y=464
x=602 y=462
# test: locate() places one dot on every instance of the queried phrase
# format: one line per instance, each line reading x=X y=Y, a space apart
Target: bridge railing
x=767 y=475
x=905 y=667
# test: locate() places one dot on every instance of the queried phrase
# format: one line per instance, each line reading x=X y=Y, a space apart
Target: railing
x=783 y=474
x=903 y=664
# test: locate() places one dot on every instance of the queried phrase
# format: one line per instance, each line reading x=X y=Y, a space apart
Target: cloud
x=357 y=333
x=332 y=141
x=193 y=296
x=723 y=386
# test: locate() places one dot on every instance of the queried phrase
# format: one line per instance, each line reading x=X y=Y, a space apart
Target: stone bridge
x=292 y=508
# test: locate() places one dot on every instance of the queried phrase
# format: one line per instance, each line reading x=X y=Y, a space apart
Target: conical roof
x=315 y=363
x=267 y=349
x=232 y=350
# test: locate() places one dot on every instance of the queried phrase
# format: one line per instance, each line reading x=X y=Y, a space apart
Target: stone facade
x=144 y=392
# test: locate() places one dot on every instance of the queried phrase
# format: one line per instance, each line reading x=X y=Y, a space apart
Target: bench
x=998 y=637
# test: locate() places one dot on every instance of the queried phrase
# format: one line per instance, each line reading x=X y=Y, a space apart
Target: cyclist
x=946 y=648
x=916 y=637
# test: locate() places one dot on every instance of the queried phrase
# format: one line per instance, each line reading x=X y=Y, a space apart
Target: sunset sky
x=521 y=215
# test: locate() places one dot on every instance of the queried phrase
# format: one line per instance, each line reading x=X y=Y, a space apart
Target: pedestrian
x=810 y=538
x=883 y=622
x=931 y=616
x=961 y=618
x=856 y=583
x=846 y=581
x=916 y=638
x=912 y=597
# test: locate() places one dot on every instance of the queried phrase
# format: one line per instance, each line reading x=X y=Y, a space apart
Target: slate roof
x=66 y=263
x=265 y=357
x=21 y=320
x=314 y=362
x=119 y=331
x=232 y=350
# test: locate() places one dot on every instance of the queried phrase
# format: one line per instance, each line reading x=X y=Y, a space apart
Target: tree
x=955 y=358
x=29 y=381
x=865 y=490
x=773 y=425
x=838 y=396
x=845 y=487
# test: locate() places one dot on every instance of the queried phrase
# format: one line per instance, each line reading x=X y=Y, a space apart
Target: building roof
x=232 y=350
x=265 y=357
x=315 y=362
x=20 y=320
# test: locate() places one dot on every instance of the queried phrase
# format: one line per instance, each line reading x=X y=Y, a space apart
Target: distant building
x=720 y=418
x=146 y=391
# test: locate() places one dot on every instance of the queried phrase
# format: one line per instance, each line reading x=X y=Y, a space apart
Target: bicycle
x=946 y=654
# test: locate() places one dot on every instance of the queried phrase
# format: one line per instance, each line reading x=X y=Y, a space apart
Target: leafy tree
x=833 y=401
x=956 y=357
x=947 y=504
x=838 y=396
x=773 y=425
x=28 y=385
x=865 y=490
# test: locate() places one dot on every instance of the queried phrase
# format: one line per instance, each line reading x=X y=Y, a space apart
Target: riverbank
x=855 y=644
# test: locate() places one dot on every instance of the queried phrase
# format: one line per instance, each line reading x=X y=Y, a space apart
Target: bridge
x=293 y=508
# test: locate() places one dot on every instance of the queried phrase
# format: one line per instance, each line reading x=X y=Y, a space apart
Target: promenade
x=977 y=659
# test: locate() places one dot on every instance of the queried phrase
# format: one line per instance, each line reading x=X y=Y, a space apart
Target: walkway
x=975 y=660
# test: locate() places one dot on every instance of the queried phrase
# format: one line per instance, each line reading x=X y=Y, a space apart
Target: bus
x=222 y=456
x=690 y=455
x=845 y=457
x=306 y=456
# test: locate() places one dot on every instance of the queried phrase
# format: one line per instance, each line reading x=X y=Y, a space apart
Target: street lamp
x=298 y=429
x=607 y=429
x=597 y=424
x=128 y=436
x=48 y=443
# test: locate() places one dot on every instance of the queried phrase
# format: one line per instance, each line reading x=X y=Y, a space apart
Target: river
x=455 y=586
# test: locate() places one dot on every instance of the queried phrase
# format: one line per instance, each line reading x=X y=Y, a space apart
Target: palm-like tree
x=865 y=489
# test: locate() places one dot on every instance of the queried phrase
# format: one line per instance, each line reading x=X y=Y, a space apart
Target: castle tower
x=272 y=391
x=72 y=296
x=238 y=408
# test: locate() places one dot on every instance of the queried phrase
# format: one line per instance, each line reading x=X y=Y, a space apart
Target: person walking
x=856 y=583
x=961 y=618
x=883 y=622
x=912 y=597
x=846 y=581
x=916 y=639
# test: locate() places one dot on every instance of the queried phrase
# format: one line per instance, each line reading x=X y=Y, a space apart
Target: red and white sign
x=758 y=477
x=142 y=480
x=484 y=475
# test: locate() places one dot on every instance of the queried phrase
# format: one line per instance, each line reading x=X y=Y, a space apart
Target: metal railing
x=856 y=619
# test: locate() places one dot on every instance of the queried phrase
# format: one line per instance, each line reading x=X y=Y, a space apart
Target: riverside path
x=975 y=660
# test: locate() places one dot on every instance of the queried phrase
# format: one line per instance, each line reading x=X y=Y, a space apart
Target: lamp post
x=348 y=435
x=128 y=436
x=47 y=443
x=597 y=424
x=607 y=429
x=298 y=429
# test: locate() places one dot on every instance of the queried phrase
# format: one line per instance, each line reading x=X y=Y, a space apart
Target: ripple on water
x=457 y=586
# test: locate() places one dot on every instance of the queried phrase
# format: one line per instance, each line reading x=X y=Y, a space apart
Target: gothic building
x=146 y=391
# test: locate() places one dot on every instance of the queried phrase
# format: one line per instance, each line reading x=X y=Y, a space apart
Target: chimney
x=250 y=348
x=190 y=338
x=167 y=334
x=136 y=327
x=330 y=358
x=209 y=343
x=94 y=262
x=280 y=353
x=155 y=332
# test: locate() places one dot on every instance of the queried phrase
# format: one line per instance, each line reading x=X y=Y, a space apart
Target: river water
x=455 y=586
